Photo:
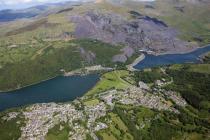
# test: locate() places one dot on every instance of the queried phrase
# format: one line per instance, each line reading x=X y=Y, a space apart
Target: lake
x=153 y=61
x=59 y=89
x=63 y=89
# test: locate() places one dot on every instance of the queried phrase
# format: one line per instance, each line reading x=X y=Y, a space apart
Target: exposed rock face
x=126 y=53
x=192 y=1
x=88 y=56
x=120 y=58
x=198 y=1
x=142 y=32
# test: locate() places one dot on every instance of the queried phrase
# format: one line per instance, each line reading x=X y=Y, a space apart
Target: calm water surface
x=59 y=89
x=62 y=89
x=153 y=61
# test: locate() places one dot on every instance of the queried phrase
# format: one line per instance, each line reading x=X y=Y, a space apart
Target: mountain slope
x=158 y=27
x=165 y=103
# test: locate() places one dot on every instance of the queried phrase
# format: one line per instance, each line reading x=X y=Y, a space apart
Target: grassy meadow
x=111 y=80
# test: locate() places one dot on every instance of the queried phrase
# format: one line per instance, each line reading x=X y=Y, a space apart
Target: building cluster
x=86 y=70
x=10 y=116
x=42 y=117
x=175 y=97
x=145 y=96
x=86 y=119
x=137 y=96
x=95 y=112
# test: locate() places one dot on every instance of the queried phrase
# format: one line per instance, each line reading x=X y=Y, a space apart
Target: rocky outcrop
x=123 y=57
x=142 y=32
x=198 y=1
x=88 y=56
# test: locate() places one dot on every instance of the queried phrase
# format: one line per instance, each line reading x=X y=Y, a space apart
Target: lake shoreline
x=77 y=72
x=35 y=83
x=87 y=70
x=130 y=67
x=59 y=90
x=170 y=59
x=44 y=96
x=185 y=52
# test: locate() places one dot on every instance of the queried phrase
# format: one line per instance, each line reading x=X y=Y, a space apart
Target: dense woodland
x=194 y=87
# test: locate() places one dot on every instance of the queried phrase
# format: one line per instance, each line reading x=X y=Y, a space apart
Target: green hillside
x=42 y=44
x=163 y=103
x=23 y=69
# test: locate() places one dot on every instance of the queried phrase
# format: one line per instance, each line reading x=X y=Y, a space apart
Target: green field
x=106 y=136
x=91 y=102
x=111 y=80
x=116 y=130
x=57 y=134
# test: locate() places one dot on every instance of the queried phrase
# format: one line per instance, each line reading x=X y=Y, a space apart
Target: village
x=82 y=118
